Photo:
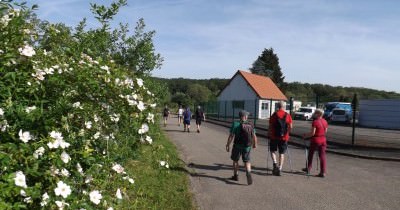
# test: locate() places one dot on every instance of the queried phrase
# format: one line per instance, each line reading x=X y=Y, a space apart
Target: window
x=264 y=106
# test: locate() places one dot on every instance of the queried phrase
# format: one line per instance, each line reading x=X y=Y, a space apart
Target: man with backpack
x=199 y=117
x=165 y=115
x=280 y=124
x=244 y=137
x=187 y=114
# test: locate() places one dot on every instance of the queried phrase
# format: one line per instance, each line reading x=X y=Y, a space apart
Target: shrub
x=69 y=115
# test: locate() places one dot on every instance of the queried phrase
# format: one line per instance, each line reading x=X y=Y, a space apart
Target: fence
x=369 y=123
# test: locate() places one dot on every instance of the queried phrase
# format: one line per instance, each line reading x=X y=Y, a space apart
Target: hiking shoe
x=188 y=130
x=278 y=173
x=249 y=179
x=198 y=131
x=305 y=170
x=275 y=170
x=321 y=175
x=235 y=178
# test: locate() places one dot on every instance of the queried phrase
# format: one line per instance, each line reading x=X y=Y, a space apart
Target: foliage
x=69 y=114
x=199 y=93
x=267 y=64
x=160 y=187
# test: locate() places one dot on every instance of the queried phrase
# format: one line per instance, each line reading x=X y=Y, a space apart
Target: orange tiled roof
x=263 y=86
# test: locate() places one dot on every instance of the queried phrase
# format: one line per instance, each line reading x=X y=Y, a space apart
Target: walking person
x=199 y=117
x=244 y=137
x=317 y=136
x=280 y=125
x=187 y=115
x=180 y=115
x=165 y=115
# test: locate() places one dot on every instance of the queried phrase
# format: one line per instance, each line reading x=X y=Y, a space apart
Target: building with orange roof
x=255 y=93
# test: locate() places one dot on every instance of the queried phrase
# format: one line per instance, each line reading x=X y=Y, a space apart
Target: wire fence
x=360 y=122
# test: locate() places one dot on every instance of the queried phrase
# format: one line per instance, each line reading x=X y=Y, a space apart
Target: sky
x=340 y=43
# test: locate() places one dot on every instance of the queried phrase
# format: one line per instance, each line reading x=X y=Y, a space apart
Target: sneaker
x=188 y=130
x=198 y=131
x=235 y=178
x=321 y=175
x=249 y=179
x=278 y=173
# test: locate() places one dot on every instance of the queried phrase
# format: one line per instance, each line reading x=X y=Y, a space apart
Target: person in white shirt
x=180 y=115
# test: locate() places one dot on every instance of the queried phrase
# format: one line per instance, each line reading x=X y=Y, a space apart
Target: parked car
x=304 y=113
x=342 y=115
x=330 y=106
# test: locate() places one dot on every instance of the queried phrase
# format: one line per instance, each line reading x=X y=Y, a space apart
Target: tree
x=267 y=64
x=199 y=93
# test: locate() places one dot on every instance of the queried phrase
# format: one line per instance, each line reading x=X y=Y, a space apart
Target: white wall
x=380 y=113
x=238 y=89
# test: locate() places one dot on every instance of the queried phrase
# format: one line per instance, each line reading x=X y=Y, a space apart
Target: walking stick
x=267 y=153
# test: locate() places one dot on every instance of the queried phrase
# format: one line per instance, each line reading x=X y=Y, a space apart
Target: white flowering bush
x=69 y=114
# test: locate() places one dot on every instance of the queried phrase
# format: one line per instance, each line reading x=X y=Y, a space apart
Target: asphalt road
x=351 y=183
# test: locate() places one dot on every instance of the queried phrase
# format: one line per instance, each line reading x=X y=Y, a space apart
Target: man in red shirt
x=280 y=124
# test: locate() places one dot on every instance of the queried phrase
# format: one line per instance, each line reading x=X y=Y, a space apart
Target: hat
x=243 y=113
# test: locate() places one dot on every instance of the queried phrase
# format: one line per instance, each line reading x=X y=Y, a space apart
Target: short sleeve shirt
x=320 y=126
x=235 y=128
x=272 y=122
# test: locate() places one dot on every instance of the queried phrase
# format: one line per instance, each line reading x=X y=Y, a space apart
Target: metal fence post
x=255 y=112
x=354 y=104
x=291 y=106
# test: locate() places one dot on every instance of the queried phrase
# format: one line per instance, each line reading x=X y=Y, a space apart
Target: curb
x=370 y=157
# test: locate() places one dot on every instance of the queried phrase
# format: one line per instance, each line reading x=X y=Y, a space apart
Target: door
x=264 y=110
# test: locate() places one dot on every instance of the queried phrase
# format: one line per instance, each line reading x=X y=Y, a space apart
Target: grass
x=157 y=187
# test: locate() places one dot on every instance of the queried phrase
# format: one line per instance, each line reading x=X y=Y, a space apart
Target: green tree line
x=192 y=92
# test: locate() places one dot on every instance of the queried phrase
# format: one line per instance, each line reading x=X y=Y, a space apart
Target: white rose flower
x=61 y=204
x=118 y=168
x=115 y=117
x=95 y=197
x=27 y=51
x=77 y=105
x=141 y=106
x=149 y=139
x=45 y=198
x=28 y=200
x=118 y=194
x=143 y=129
x=96 y=135
x=24 y=136
x=62 y=189
x=65 y=172
x=39 y=152
x=22 y=193
x=79 y=168
x=30 y=108
x=150 y=118
x=65 y=157
x=20 y=179
x=88 y=124
x=139 y=82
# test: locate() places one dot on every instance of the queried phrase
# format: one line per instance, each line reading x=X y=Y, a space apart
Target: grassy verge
x=158 y=187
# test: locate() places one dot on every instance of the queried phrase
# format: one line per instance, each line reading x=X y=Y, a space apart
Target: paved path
x=351 y=183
